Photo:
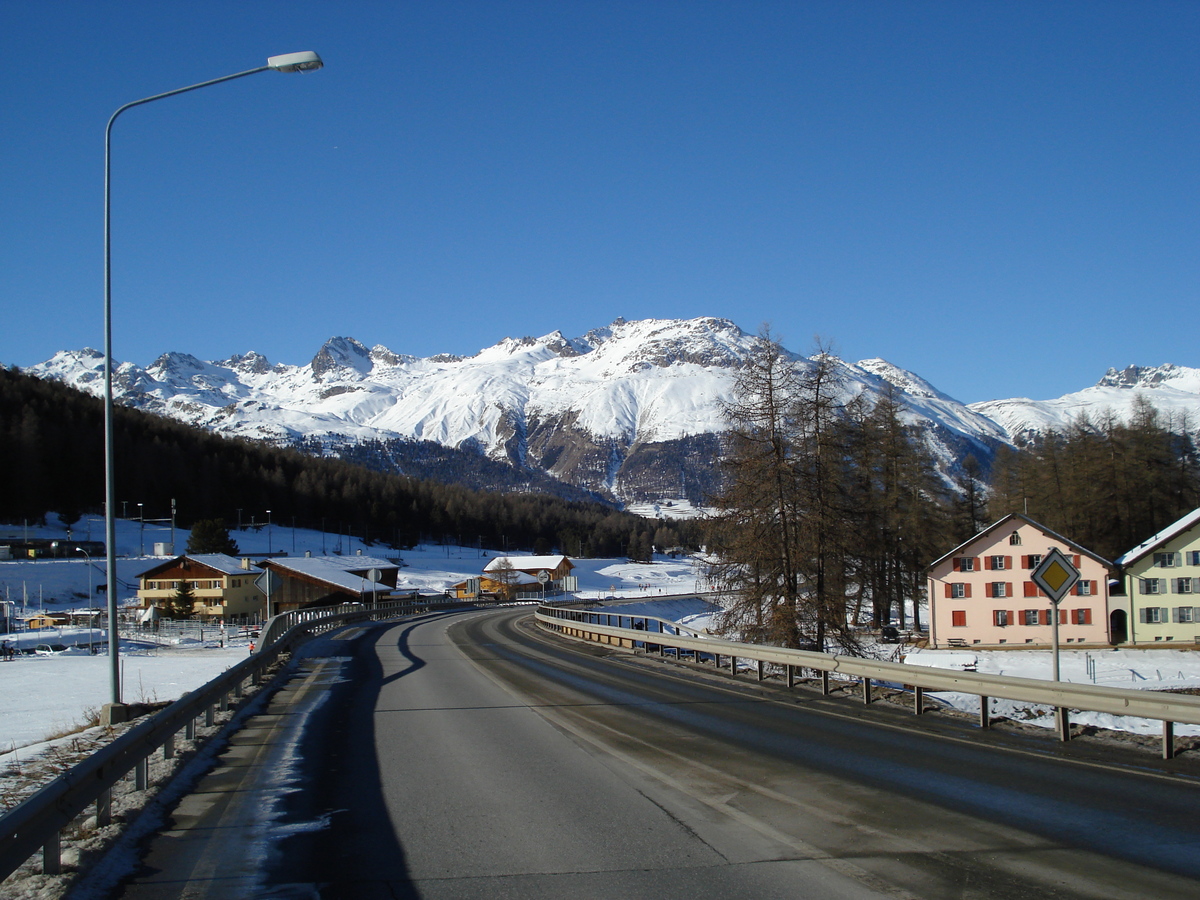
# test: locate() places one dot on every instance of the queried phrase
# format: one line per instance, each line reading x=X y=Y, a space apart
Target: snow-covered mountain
x=632 y=411
x=1173 y=390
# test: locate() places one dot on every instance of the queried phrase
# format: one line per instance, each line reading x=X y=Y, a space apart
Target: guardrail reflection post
x=1168 y=747
x=52 y=855
x=985 y=713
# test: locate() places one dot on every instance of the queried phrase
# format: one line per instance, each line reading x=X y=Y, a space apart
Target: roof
x=1028 y=521
x=1169 y=533
x=526 y=563
x=218 y=562
x=338 y=571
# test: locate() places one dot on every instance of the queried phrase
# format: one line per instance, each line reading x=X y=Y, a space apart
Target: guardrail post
x=866 y=690
x=918 y=700
x=825 y=682
x=104 y=807
x=52 y=855
x=733 y=665
x=985 y=712
x=189 y=730
x=141 y=774
x=169 y=747
x=224 y=702
x=791 y=675
x=208 y=716
x=1064 y=723
x=1168 y=740
x=760 y=670
x=237 y=689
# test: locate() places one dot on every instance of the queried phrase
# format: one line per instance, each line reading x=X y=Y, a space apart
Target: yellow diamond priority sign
x=1055 y=575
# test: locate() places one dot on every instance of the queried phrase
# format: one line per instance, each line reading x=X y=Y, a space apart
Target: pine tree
x=211 y=536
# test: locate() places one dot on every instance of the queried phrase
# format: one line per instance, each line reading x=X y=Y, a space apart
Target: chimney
x=308 y=554
x=360 y=551
x=246 y=563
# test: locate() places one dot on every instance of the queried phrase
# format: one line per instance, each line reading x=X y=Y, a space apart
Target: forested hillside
x=51 y=458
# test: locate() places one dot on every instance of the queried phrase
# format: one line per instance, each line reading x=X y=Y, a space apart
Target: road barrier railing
x=38 y=821
x=669 y=638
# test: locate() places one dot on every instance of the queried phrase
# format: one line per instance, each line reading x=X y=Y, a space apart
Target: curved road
x=473 y=755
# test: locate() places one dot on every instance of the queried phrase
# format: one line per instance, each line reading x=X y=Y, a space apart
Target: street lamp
x=268 y=532
x=304 y=61
x=91 y=596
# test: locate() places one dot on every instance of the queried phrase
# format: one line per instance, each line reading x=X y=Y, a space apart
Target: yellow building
x=223 y=587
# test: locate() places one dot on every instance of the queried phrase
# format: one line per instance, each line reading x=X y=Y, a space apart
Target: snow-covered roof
x=1171 y=531
x=337 y=570
x=218 y=562
x=527 y=563
x=1053 y=535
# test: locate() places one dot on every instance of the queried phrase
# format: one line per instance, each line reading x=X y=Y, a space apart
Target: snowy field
x=41 y=695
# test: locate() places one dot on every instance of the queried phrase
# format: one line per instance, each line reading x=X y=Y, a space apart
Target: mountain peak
x=340 y=354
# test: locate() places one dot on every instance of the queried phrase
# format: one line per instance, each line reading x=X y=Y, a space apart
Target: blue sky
x=1001 y=197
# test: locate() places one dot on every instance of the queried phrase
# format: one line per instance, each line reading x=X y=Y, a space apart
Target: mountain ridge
x=630 y=410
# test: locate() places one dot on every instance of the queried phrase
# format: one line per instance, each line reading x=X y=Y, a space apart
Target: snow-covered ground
x=43 y=695
x=1154 y=670
x=40 y=695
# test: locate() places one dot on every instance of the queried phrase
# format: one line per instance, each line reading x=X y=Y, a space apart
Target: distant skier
x=252 y=648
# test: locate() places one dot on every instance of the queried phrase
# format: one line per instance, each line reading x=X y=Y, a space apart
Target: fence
x=664 y=636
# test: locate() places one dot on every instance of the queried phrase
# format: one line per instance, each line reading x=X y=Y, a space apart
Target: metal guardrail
x=653 y=633
x=37 y=822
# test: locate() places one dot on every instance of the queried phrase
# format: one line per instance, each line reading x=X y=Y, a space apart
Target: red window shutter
x=958 y=617
x=1074 y=617
x=967 y=589
x=949 y=590
x=1062 y=617
x=1030 y=589
x=1012 y=617
x=1008 y=589
x=1008 y=562
x=987 y=562
x=1043 y=617
x=957 y=564
x=1078 y=560
x=1025 y=562
x=976 y=559
x=996 y=617
x=987 y=589
x=1086 y=617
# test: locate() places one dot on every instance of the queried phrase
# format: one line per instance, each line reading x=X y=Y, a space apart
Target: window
x=1193 y=557
x=1081 y=617
x=1152 y=615
x=957 y=589
x=1029 y=616
x=1033 y=560
x=999 y=589
x=1083 y=588
x=1181 y=614
x=1014 y=539
x=1183 y=586
x=998 y=562
x=1000 y=617
x=1151 y=585
x=1164 y=560
x=958 y=618
x=966 y=564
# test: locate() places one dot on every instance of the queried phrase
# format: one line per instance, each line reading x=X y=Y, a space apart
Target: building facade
x=223 y=588
x=1161 y=578
x=982 y=593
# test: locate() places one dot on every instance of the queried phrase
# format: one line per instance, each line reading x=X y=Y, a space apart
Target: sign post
x=1055 y=575
x=267 y=582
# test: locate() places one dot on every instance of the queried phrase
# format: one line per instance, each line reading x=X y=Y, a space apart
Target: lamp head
x=304 y=61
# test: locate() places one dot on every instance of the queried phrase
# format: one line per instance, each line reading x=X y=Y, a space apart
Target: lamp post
x=142 y=530
x=289 y=62
x=268 y=532
x=91 y=596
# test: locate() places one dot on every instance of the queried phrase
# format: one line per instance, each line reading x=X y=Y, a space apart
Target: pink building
x=982 y=592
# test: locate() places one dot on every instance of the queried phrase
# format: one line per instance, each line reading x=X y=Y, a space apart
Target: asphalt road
x=472 y=755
